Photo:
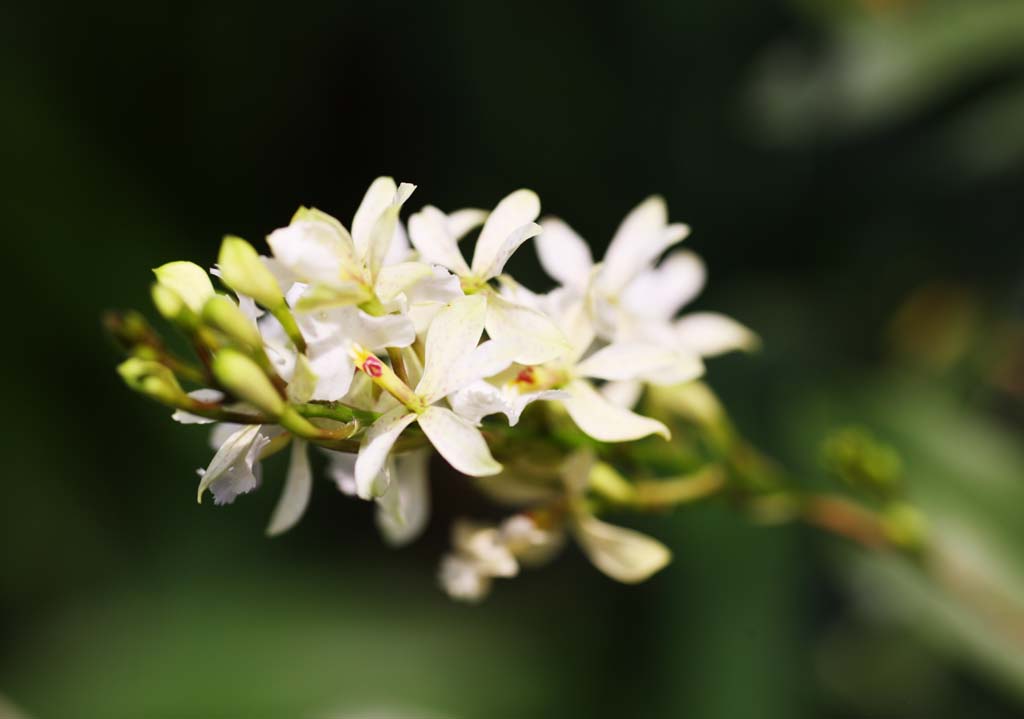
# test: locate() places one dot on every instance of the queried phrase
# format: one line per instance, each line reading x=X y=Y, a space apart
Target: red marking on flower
x=527 y=375
x=373 y=367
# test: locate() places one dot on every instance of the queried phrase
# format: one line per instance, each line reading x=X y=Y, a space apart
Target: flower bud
x=130 y=330
x=153 y=380
x=243 y=378
x=188 y=281
x=223 y=315
x=243 y=271
x=172 y=307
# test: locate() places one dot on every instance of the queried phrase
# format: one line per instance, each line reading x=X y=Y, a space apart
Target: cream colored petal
x=536 y=338
x=626 y=360
x=432 y=238
x=378 y=198
x=187 y=280
x=663 y=291
x=623 y=554
x=453 y=334
x=404 y=511
x=518 y=209
x=642 y=236
x=314 y=250
x=458 y=441
x=298 y=485
x=375 y=448
x=462 y=222
x=710 y=333
x=392 y=280
x=506 y=249
x=605 y=421
x=563 y=254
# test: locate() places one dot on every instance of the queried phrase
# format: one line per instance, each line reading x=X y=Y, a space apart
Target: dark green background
x=832 y=159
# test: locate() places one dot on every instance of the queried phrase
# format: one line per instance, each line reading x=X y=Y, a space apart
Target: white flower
x=235 y=468
x=510 y=224
x=404 y=509
x=462 y=580
x=573 y=371
x=629 y=297
x=453 y=360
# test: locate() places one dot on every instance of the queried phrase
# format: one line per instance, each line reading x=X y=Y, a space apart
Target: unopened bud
x=153 y=380
x=173 y=308
x=224 y=315
x=188 y=281
x=130 y=330
x=243 y=271
x=862 y=461
x=243 y=378
x=904 y=526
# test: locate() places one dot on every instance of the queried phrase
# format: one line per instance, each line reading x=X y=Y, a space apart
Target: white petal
x=623 y=360
x=430 y=235
x=460 y=578
x=663 y=291
x=462 y=222
x=531 y=545
x=298 y=485
x=203 y=395
x=709 y=334
x=454 y=333
x=603 y=420
x=392 y=280
x=382 y=231
x=623 y=393
x=623 y=554
x=314 y=251
x=458 y=441
x=374 y=450
x=407 y=518
x=341 y=467
x=518 y=209
x=329 y=360
x=641 y=237
x=484 y=545
x=481 y=399
x=506 y=249
x=536 y=338
x=378 y=198
x=563 y=254
x=231 y=471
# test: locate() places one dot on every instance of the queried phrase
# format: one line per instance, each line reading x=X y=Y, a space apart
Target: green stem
x=336 y=411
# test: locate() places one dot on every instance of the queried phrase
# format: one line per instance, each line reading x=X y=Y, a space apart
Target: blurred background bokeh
x=854 y=174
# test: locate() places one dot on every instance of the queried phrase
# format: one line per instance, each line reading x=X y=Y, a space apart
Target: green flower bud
x=172 y=307
x=863 y=462
x=904 y=526
x=153 y=380
x=243 y=378
x=243 y=271
x=223 y=315
x=130 y=330
x=187 y=280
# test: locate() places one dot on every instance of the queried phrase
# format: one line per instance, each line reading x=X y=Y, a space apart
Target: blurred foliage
x=853 y=172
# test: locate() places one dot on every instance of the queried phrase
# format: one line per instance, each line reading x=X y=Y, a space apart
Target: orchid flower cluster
x=379 y=342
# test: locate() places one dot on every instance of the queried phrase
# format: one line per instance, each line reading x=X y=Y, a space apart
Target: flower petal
x=203 y=395
x=506 y=249
x=430 y=235
x=624 y=393
x=518 y=209
x=403 y=512
x=453 y=334
x=641 y=237
x=563 y=254
x=536 y=338
x=710 y=333
x=623 y=554
x=662 y=291
x=231 y=471
x=392 y=280
x=375 y=448
x=605 y=421
x=458 y=441
x=315 y=250
x=298 y=485
x=480 y=399
x=378 y=198
x=460 y=578
x=462 y=222
x=626 y=360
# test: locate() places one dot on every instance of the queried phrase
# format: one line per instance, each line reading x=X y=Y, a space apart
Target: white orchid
x=630 y=298
x=379 y=351
x=435 y=236
x=453 y=360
